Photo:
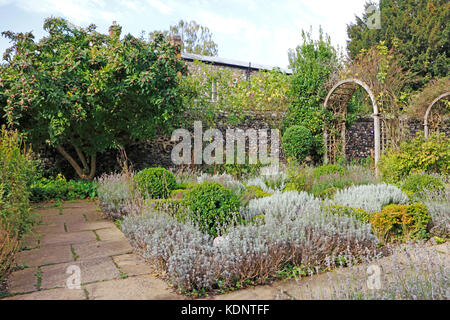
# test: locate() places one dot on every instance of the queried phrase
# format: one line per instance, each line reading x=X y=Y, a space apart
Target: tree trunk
x=76 y=166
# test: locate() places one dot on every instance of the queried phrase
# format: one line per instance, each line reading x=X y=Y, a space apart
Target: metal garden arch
x=336 y=101
x=427 y=113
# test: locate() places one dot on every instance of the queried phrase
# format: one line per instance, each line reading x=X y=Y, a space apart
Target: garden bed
x=221 y=233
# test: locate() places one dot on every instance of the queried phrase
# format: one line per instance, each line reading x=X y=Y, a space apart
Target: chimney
x=175 y=40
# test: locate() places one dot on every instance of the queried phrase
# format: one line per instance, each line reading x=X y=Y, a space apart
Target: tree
x=380 y=68
x=419 y=29
x=83 y=92
x=194 y=37
x=312 y=62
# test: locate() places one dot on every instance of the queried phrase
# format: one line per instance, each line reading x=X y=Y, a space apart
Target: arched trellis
x=427 y=113
x=337 y=100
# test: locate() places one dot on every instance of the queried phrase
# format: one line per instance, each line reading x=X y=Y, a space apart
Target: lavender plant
x=370 y=197
x=225 y=180
x=250 y=253
x=279 y=203
x=413 y=272
x=438 y=205
x=114 y=191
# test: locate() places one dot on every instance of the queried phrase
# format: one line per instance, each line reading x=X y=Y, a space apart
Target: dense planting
x=298 y=142
x=59 y=188
x=16 y=173
x=155 y=183
x=415 y=156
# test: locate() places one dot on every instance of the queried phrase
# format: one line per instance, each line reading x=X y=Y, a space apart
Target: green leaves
x=90 y=91
x=313 y=61
x=415 y=156
x=417 y=29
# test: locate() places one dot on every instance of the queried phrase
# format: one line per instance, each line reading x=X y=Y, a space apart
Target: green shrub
x=290 y=186
x=401 y=222
x=299 y=178
x=178 y=193
x=416 y=183
x=418 y=155
x=212 y=206
x=320 y=191
x=327 y=169
x=155 y=182
x=257 y=192
x=185 y=186
x=297 y=142
x=360 y=214
x=16 y=171
x=326 y=185
x=59 y=188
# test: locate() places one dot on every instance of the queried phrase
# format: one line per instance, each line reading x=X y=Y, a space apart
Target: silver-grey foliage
x=254 y=252
x=114 y=192
x=370 y=197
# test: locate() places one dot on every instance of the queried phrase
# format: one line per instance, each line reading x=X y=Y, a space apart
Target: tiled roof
x=229 y=62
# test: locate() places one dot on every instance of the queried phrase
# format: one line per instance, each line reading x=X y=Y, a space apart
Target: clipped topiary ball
x=156 y=183
x=211 y=206
x=297 y=142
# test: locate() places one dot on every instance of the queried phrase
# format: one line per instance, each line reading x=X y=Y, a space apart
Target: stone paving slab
x=132 y=265
x=49 y=228
x=79 y=204
x=94 y=225
x=67 y=238
x=30 y=241
x=90 y=271
x=45 y=255
x=99 y=249
x=110 y=234
x=47 y=212
x=81 y=212
x=54 y=294
x=23 y=280
x=65 y=218
x=145 y=287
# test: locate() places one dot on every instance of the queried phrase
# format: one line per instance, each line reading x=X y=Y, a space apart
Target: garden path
x=75 y=234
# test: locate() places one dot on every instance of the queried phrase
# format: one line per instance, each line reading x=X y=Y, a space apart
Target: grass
x=74 y=255
x=38 y=275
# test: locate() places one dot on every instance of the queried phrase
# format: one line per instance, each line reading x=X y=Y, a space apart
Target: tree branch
x=81 y=157
x=93 y=167
x=72 y=162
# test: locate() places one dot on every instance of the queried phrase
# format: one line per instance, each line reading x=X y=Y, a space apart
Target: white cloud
x=161 y=6
x=261 y=31
x=84 y=11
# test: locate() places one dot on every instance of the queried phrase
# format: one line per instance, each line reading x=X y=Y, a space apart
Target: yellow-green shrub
x=417 y=183
x=418 y=155
x=401 y=222
x=16 y=172
x=257 y=192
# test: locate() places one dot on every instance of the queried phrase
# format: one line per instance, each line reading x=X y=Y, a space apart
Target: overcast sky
x=257 y=31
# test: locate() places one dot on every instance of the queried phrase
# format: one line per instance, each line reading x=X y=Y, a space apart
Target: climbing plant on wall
x=213 y=90
x=313 y=63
